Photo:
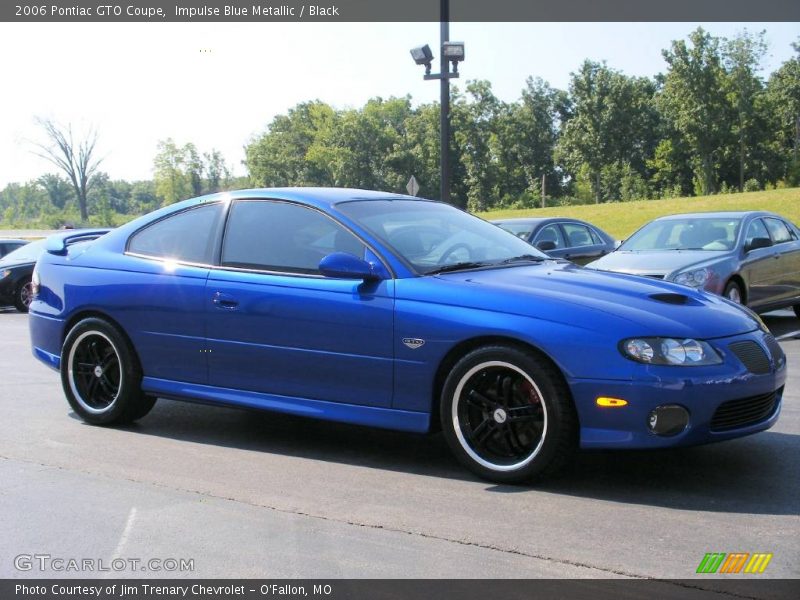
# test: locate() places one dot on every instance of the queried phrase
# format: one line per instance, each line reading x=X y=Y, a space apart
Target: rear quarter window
x=188 y=236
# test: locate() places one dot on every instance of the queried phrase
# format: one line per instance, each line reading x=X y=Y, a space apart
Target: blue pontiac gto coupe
x=396 y=312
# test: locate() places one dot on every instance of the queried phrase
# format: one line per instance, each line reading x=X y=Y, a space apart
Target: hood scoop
x=672 y=298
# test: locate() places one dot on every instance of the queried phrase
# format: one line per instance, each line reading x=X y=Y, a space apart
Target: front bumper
x=699 y=390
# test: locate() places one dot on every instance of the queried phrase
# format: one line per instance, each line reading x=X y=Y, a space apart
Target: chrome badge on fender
x=413 y=343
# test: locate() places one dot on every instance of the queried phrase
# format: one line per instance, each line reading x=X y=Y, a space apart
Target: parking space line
x=123 y=540
x=792 y=335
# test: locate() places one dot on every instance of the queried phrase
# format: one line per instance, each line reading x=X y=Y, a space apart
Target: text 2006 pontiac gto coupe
x=391 y=311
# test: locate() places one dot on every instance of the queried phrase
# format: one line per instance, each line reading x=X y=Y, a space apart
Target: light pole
x=450 y=52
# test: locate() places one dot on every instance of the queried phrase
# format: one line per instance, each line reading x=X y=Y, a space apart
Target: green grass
x=620 y=219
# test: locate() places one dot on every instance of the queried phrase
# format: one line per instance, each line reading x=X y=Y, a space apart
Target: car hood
x=653 y=262
x=592 y=300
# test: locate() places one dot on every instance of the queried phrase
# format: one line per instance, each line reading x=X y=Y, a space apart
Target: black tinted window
x=278 y=236
x=187 y=236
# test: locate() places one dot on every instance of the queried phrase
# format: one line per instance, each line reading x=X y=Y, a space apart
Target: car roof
x=730 y=214
x=316 y=196
x=13 y=241
x=537 y=220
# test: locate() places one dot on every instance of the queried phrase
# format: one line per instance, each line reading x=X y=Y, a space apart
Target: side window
x=187 y=236
x=550 y=233
x=778 y=230
x=577 y=235
x=596 y=239
x=279 y=236
x=521 y=230
x=756 y=229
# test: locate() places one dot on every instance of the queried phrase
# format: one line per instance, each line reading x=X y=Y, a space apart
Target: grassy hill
x=620 y=219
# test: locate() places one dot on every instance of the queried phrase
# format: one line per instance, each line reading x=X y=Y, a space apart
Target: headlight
x=670 y=351
x=695 y=278
x=5 y=273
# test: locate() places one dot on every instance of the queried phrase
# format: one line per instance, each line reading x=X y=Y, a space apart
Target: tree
x=530 y=131
x=194 y=168
x=75 y=158
x=742 y=59
x=613 y=123
x=58 y=189
x=476 y=121
x=695 y=102
x=783 y=102
x=171 y=181
x=217 y=171
x=294 y=148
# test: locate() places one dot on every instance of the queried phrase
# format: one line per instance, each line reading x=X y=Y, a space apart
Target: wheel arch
x=738 y=280
x=463 y=348
x=97 y=314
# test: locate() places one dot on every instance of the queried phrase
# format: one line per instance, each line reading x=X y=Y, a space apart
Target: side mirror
x=546 y=245
x=341 y=265
x=756 y=243
x=617 y=244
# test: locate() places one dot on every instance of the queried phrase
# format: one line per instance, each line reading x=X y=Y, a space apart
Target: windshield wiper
x=459 y=266
x=524 y=258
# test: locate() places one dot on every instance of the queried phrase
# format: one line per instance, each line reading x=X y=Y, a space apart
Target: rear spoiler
x=58 y=243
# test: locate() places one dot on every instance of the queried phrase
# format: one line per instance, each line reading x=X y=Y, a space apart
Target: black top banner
x=399 y=10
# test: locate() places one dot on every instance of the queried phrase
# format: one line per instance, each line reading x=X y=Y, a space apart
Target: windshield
x=692 y=233
x=432 y=236
x=28 y=253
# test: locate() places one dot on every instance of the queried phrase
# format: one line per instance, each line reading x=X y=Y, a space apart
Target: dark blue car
x=396 y=312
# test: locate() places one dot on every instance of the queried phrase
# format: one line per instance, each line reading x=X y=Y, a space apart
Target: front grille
x=743 y=412
x=778 y=357
x=752 y=356
x=655 y=276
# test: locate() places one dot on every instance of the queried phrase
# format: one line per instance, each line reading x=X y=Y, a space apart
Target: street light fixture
x=422 y=55
x=452 y=53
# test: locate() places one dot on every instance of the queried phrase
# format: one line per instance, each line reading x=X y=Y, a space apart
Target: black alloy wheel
x=101 y=375
x=507 y=414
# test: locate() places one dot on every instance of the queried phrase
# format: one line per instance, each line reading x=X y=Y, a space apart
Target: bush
x=752 y=185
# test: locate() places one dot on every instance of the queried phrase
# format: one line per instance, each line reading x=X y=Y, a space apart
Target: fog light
x=668 y=420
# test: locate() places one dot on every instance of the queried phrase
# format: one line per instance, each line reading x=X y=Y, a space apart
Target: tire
x=507 y=415
x=23 y=295
x=733 y=292
x=101 y=376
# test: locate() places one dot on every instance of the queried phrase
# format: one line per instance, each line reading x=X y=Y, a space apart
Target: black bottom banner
x=389 y=589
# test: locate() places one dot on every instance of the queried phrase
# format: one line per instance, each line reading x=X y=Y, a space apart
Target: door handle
x=224 y=301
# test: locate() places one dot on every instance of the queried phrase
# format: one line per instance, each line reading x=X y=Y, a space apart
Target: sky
x=218 y=84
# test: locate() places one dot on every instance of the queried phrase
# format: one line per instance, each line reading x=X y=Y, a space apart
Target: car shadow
x=782 y=322
x=753 y=475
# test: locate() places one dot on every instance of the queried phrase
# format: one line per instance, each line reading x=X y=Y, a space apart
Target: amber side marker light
x=610 y=402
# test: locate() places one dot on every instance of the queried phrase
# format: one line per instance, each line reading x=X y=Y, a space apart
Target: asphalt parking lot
x=259 y=495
